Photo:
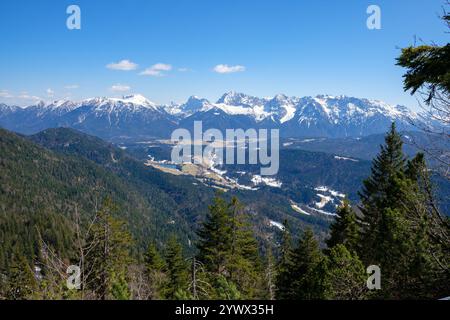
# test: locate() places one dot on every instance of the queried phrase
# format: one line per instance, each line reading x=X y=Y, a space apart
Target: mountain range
x=135 y=117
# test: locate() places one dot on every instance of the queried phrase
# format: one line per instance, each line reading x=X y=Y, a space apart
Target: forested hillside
x=41 y=191
x=127 y=248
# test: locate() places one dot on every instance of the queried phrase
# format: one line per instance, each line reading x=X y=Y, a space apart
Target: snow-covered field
x=298 y=209
x=276 y=225
x=271 y=182
x=345 y=158
x=323 y=201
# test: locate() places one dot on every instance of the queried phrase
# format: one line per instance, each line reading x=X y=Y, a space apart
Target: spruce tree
x=344 y=276
x=285 y=265
x=382 y=191
x=306 y=259
x=108 y=258
x=177 y=269
x=153 y=259
x=119 y=288
x=402 y=231
x=345 y=228
x=226 y=290
x=299 y=276
x=155 y=271
x=244 y=263
x=215 y=237
x=228 y=247
x=429 y=267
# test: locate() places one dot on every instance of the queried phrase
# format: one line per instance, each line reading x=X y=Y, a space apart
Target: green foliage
x=119 y=288
x=306 y=259
x=300 y=278
x=155 y=268
x=109 y=257
x=285 y=265
x=153 y=259
x=226 y=290
x=344 y=277
x=345 y=229
x=214 y=237
x=21 y=284
x=400 y=224
x=427 y=67
x=177 y=269
x=227 y=247
x=399 y=229
x=383 y=189
x=157 y=204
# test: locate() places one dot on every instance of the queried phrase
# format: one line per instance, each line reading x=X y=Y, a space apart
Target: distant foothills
x=135 y=117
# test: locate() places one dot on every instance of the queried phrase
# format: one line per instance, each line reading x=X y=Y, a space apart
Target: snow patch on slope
x=271 y=182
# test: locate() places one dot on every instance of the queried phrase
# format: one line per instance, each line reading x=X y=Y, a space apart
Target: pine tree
x=119 y=288
x=228 y=247
x=402 y=230
x=285 y=265
x=215 y=238
x=385 y=230
x=177 y=273
x=382 y=191
x=306 y=259
x=226 y=290
x=153 y=259
x=345 y=228
x=109 y=257
x=244 y=263
x=155 y=271
x=429 y=267
x=344 y=276
x=299 y=276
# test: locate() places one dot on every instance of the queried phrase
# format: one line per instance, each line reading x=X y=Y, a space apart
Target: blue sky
x=294 y=47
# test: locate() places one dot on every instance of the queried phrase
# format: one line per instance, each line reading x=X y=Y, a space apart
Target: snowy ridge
x=282 y=109
x=320 y=116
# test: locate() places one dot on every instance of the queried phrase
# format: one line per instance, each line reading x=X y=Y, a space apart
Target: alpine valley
x=59 y=159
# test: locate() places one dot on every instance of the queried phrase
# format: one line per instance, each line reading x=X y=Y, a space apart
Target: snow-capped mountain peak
x=62 y=105
x=137 y=99
x=192 y=105
x=132 y=103
x=195 y=104
x=233 y=98
x=319 y=116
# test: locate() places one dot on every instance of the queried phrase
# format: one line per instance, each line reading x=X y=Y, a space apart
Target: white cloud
x=5 y=94
x=156 y=70
x=120 y=88
x=123 y=65
x=50 y=92
x=72 y=86
x=21 y=99
x=184 y=69
x=26 y=96
x=224 y=68
x=162 y=67
x=151 y=72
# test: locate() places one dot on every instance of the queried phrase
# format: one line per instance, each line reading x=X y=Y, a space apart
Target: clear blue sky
x=294 y=47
